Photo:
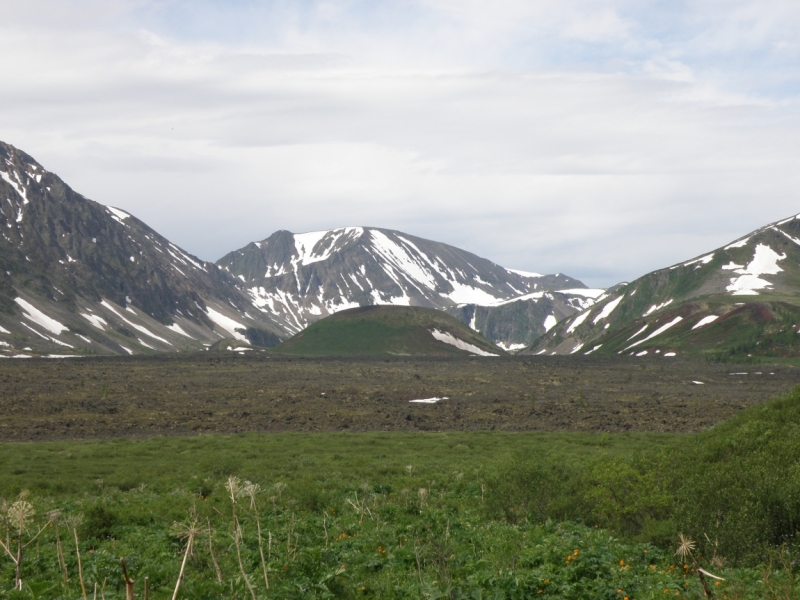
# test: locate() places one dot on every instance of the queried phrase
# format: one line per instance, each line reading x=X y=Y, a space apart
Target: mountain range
x=296 y=279
x=79 y=277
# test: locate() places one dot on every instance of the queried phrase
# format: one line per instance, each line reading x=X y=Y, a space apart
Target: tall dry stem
x=55 y=516
x=279 y=487
x=126 y=578
x=234 y=487
x=423 y=497
x=360 y=506
x=73 y=522
x=261 y=552
x=210 y=534
x=237 y=534
x=189 y=532
x=289 y=538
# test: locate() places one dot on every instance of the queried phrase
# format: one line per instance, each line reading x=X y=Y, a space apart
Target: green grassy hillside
x=716 y=327
x=386 y=330
x=739 y=300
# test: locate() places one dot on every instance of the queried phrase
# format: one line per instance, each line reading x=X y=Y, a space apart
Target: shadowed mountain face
x=739 y=300
x=77 y=276
x=300 y=278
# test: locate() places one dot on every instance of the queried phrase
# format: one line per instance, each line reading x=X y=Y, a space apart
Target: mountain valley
x=78 y=278
x=81 y=278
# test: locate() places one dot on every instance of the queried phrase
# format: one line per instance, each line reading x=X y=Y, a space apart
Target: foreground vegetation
x=457 y=515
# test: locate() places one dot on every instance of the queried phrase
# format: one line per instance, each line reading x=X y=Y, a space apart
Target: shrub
x=99 y=521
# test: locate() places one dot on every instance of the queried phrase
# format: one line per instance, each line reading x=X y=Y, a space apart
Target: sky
x=601 y=139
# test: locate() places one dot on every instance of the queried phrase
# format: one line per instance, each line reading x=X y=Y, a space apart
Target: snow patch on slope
x=705 y=321
x=226 y=323
x=657 y=307
x=578 y=320
x=177 y=329
x=657 y=332
x=740 y=244
x=399 y=257
x=607 y=309
x=30 y=312
x=305 y=243
x=765 y=262
x=17 y=188
x=450 y=339
x=136 y=326
x=98 y=322
x=525 y=273
x=703 y=259
x=118 y=215
x=510 y=347
x=466 y=294
x=638 y=333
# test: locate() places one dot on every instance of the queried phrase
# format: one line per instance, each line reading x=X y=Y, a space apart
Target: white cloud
x=623 y=148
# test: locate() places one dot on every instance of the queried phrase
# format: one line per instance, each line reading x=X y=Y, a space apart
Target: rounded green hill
x=400 y=330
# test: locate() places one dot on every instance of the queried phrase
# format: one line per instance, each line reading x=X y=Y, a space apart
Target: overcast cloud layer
x=598 y=139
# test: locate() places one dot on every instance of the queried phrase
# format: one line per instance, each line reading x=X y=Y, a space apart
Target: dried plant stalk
x=189 y=532
x=234 y=487
x=237 y=539
x=217 y=570
x=261 y=552
x=54 y=516
x=80 y=566
x=126 y=578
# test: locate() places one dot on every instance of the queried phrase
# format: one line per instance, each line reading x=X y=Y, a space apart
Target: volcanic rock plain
x=202 y=393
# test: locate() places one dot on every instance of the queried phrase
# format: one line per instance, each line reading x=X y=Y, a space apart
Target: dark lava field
x=132 y=397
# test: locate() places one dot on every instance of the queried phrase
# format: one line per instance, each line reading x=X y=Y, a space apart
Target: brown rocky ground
x=225 y=393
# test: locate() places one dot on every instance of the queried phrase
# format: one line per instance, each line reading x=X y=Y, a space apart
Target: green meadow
x=409 y=515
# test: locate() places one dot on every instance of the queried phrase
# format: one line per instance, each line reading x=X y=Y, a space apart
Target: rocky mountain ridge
x=300 y=278
x=78 y=277
x=741 y=298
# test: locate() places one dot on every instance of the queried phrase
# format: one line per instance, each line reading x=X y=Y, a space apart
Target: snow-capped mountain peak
x=299 y=278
